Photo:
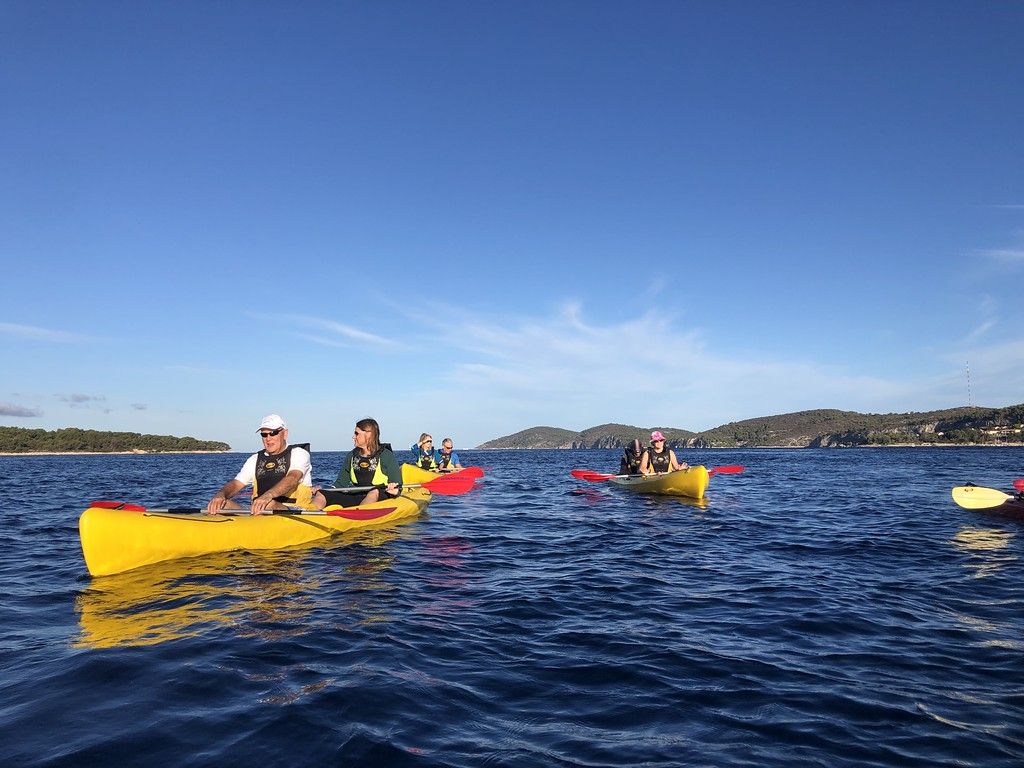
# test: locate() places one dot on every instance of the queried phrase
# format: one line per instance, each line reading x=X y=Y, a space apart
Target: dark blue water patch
x=823 y=608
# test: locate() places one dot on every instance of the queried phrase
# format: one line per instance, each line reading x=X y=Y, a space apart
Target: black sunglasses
x=271 y=433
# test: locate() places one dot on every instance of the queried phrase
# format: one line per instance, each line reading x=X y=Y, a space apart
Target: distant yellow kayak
x=116 y=540
x=690 y=482
x=412 y=474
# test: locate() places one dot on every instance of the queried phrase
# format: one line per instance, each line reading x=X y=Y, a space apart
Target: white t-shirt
x=300 y=461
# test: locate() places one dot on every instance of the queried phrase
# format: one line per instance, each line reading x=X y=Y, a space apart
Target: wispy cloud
x=1005 y=255
x=140 y=406
x=19 y=411
x=987 y=310
x=90 y=402
x=335 y=334
x=34 y=333
x=568 y=370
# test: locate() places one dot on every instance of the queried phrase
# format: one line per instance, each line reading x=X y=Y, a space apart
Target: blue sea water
x=823 y=608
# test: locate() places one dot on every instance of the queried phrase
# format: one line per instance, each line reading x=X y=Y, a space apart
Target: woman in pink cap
x=659 y=458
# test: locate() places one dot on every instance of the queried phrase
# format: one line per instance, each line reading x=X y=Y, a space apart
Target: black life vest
x=271 y=469
x=365 y=470
x=659 y=462
x=629 y=464
x=445 y=462
x=427 y=461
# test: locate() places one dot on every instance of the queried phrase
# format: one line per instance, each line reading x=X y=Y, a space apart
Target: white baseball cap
x=273 y=421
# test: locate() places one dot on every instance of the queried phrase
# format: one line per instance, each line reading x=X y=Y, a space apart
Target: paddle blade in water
x=728 y=469
x=450 y=485
x=1019 y=484
x=590 y=476
x=976 y=497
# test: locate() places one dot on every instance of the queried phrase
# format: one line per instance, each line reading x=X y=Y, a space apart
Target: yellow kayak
x=690 y=482
x=116 y=540
x=412 y=474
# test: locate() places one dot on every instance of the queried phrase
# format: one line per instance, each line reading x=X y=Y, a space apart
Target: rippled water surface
x=824 y=608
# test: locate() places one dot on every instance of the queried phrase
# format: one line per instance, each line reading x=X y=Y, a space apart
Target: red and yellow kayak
x=690 y=482
x=116 y=540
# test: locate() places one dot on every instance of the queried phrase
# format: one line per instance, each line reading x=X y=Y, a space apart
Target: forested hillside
x=73 y=440
x=804 y=429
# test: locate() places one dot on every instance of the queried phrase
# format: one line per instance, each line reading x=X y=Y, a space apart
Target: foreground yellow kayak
x=691 y=482
x=116 y=540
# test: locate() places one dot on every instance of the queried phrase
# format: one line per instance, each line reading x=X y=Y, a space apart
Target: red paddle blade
x=1019 y=484
x=105 y=504
x=450 y=485
x=474 y=472
x=590 y=476
x=728 y=469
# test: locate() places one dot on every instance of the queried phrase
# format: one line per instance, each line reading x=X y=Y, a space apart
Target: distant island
x=804 y=429
x=74 y=440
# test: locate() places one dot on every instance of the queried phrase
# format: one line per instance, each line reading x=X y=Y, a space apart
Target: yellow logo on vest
x=270 y=465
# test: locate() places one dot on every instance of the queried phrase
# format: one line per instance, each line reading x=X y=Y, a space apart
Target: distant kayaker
x=448 y=459
x=659 y=458
x=370 y=463
x=632 y=456
x=423 y=453
x=280 y=474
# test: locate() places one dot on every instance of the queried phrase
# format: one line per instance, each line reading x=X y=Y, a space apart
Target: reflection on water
x=986 y=549
x=266 y=594
x=185 y=598
x=988 y=552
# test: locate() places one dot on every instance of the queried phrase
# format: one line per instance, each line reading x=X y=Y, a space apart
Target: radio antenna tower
x=969 y=403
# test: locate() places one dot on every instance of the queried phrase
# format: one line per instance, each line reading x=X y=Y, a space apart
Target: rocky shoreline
x=137 y=452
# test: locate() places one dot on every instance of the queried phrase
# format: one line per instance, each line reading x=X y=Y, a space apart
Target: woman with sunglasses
x=659 y=458
x=280 y=474
x=423 y=454
x=370 y=463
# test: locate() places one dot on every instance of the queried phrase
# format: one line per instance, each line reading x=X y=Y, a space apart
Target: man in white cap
x=280 y=474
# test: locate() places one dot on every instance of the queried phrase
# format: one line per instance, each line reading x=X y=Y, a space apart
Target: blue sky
x=470 y=218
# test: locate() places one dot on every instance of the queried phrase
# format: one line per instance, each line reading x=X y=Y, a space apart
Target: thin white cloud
x=980 y=330
x=988 y=310
x=34 y=333
x=1005 y=255
x=564 y=371
x=335 y=334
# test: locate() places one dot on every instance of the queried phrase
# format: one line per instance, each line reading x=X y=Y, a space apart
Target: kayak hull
x=987 y=499
x=411 y=474
x=117 y=540
x=690 y=482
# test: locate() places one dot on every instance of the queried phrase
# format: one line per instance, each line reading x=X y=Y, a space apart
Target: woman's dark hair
x=371 y=426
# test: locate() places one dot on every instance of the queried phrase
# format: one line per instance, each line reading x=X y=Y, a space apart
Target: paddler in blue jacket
x=659 y=458
x=280 y=474
x=448 y=459
x=369 y=463
x=423 y=454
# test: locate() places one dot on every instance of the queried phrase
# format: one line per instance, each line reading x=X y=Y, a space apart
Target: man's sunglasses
x=271 y=433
